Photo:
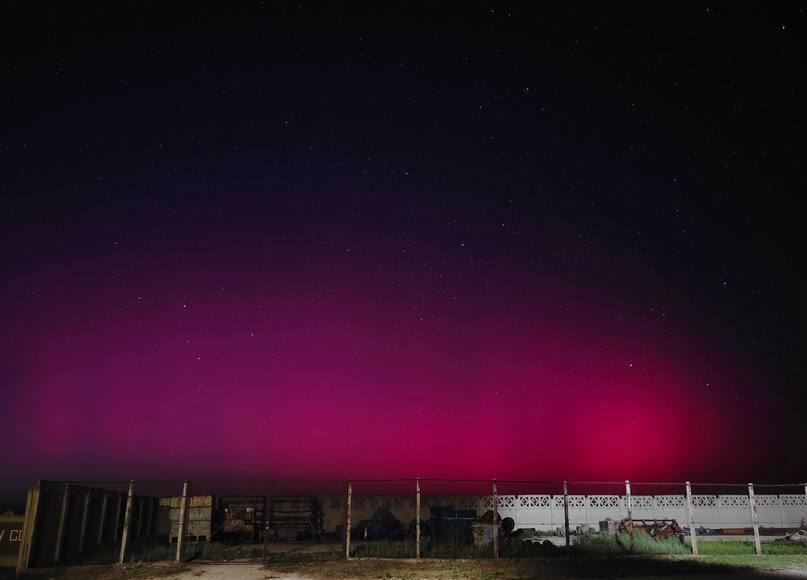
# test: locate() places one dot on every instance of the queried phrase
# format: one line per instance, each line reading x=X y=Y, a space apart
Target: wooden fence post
x=84 y=515
x=566 y=516
x=691 y=520
x=348 y=502
x=495 y=521
x=127 y=517
x=183 y=516
x=29 y=528
x=752 y=500
x=102 y=523
x=417 y=518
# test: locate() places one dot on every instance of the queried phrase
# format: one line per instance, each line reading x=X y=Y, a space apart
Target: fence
x=72 y=522
x=69 y=522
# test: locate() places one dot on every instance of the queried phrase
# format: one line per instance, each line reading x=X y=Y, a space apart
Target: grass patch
x=619 y=544
x=383 y=549
x=160 y=550
x=774 y=562
x=292 y=558
x=219 y=551
x=151 y=551
x=137 y=551
x=603 y=566
x=740 y=548
x=406 y=549
x=465 y=552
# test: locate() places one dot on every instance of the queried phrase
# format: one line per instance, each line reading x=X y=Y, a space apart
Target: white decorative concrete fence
x=545 y=512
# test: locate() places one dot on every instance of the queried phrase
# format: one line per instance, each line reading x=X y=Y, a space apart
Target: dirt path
x=443 y=570
x=235 y=571
x=426 y=569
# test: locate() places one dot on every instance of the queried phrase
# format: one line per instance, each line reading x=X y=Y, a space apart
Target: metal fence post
x=691 y=520
x=127 y=519
x=629 y=506
x=566 y=515
x=348 y=501
x=417 y=518
x=752 y=500
x=183 y=517
x=495 y=522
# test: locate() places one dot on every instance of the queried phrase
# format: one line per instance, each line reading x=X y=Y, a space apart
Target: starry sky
x=288 y=240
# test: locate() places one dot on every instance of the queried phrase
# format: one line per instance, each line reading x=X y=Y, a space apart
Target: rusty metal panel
x=239 y=520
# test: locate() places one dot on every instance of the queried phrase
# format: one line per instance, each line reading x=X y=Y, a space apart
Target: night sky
x=288 y=240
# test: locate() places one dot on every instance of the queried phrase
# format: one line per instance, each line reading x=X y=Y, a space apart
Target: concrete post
x=691 y=520
x=753 y=504
x=628 y=502
x=127 y=520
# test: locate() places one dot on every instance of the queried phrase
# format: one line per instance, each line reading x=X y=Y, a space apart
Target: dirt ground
x=538 y=568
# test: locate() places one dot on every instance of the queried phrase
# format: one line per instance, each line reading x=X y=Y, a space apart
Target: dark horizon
x=297 y=241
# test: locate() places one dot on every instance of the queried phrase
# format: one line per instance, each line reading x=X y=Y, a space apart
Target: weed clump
x=620 y=543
